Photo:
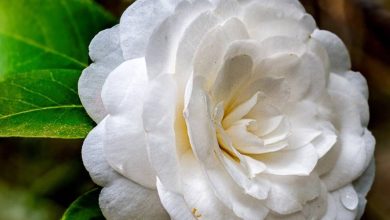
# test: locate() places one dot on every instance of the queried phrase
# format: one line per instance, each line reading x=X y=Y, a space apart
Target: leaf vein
x=21 y=101
x=73 y=24
x=61 y=84
x=35 y=93
x=43 y=47
x=40 y=109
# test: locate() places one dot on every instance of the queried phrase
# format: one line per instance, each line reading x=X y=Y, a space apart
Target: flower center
x=251 y=128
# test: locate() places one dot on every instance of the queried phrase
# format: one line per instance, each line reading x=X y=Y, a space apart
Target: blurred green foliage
x=40 y=177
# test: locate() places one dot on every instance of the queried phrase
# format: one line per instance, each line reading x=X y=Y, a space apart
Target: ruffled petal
x=123 y=200
x=281 y=27
x=299 y=162
x=317 y=207
x=342 y=204
x=198 y=192
x=190 y=41
x=93 y=157
x=138 y=22
x=337 y=51
x=174 y=203
x=358 y=81
x=164 y=42
x=124 y=140
x=256 y=187
x=350 y=104
x=288 y=194
x=234 y=72
x=210 y=54
x=353 y=157
x=263 y=10
x=106 y=54
x=240 y=111
x=274 y=90
x=159 y=120
x=363 y=185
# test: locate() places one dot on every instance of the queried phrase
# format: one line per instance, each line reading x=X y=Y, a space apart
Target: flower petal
x=274 y=90
x=240 y=111
x=317 y=208
x=337 y=52
x=128 y=81
x=123 y=200
x=210 y=54
x=124 y=140
x=159 y=121
x=358 y=81
x=93 y=157
x=231 y=76
x=106 y=53
x=354 y=104
x=243 y=140
x=353 y=157
x=256 y=187
x=363 y=185
x=174 y=203
x=263 y=10
x=189 y=43
x=199 y=194
x=288 y=194
x=337 y=210
x=326 y=140
x=298 y=162
x=138 y=22
x=161 y=50
x=280 y=27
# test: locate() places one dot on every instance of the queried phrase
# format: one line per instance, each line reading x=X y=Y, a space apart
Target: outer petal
x=124 y=141
x=93 y=157
x=359 y=89
x=350 y=105
x=317 y=208
x=363 y=185
x=138 y=22
x=338 y=53
x=336 y=209
x=161 y=50
x=124 y=200
x=106 y=53
x=356 y=143
x=354 y=155
x=288 y=194
x=174 y=203
x=190 y=41
x=357 y=80
x=314 y=209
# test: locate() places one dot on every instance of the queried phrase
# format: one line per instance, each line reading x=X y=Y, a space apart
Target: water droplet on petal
x=349 y=198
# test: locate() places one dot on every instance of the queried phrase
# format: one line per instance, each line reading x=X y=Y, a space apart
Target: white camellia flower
x=229 y=109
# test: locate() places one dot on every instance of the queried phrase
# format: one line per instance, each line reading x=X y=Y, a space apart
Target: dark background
x=39 y=178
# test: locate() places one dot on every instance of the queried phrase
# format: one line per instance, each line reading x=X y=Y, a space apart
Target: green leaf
x=44 y=47
x=86 y=207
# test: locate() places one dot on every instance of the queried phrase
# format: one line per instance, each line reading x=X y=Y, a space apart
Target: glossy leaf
x=86 y=207
x=44 y=47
